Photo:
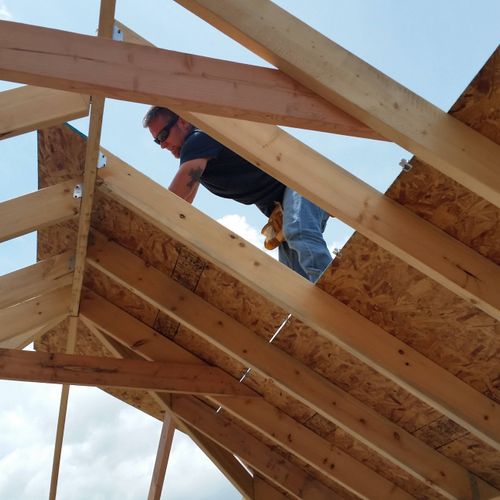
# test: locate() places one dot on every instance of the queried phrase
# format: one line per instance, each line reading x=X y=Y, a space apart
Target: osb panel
x=239 y=302
x=119 y=296
x=135 y=234
x=57 y=239
x=440 y=432
x=61 y=155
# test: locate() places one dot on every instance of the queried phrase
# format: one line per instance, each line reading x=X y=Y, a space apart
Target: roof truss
x=35 y=299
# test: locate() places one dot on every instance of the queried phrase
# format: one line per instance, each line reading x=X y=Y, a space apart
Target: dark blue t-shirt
x=229 y=175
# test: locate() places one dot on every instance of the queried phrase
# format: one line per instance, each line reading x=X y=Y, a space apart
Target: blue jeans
x=304 y=250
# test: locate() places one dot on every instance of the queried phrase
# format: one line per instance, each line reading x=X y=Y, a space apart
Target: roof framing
x=349 y=98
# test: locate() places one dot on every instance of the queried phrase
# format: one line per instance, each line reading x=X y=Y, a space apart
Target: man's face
x=175 y=138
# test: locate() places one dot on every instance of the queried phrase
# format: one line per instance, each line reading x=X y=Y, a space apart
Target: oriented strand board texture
x=368 y=279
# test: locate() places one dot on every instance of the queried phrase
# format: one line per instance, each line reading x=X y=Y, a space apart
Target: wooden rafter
x=124 y=373
x=31 y=315
x=325 y=314
x=32 y=108
x=40 y=278
x=359 y=89
x=195 y=82
x=298 y=380
x=105 y=30
x=38 y=209
x=258 y=455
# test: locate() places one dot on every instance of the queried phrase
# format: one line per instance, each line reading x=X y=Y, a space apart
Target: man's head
x=168 y=129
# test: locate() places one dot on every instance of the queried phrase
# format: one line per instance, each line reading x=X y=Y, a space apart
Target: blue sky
x=433 y=47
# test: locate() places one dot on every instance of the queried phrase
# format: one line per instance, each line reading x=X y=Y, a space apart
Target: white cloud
x=5 y=14
x=108 y=453
x=239 y=225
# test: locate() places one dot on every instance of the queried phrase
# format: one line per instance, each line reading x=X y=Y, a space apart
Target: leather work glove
x=273 y=230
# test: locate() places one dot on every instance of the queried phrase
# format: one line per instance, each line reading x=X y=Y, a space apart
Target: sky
x=433 y=47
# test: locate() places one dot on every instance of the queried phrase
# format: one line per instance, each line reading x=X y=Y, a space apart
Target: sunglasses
x=165 y=131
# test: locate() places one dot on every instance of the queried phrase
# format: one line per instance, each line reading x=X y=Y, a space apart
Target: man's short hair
x=154 y=112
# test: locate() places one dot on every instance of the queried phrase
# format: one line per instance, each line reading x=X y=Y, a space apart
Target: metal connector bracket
x=78 y=191
x=101 y=160
x=405 y=165
x=117 y=33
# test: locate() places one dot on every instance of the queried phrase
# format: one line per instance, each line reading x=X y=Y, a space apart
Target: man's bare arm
x=187 y=179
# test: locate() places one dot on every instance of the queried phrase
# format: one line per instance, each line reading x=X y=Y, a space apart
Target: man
x=205 y=161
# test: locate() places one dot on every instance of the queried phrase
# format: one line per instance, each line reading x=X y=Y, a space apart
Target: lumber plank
x=40 y=278
x=63 y=410
x=359 y=89
x=264 y=491
x=325 y=314
x=29 y=108
x=328 y=400
x=105 y=30
x=33 y=314
x=84 y=64
x=39 y=209
x=162 y=455
x=145 y=341
x=109 y=372
x=259 y=456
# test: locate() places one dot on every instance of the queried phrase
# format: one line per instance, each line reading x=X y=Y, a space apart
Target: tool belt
x=273 y=230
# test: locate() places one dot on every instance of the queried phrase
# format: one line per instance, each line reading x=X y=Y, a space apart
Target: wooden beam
x=264 y=491
x=109 y=372
x=160 y=468
x=40 y=278
x=38 y=209
x=325 y=314
x=259 y=456
x=359 y=89
x=398 y=230
x=105 y=30
x=331 y=402
x=312 y=449
x=80 y=63
x=149 y=344
x=63 y=410
x=33 y=314
x=32 y=108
